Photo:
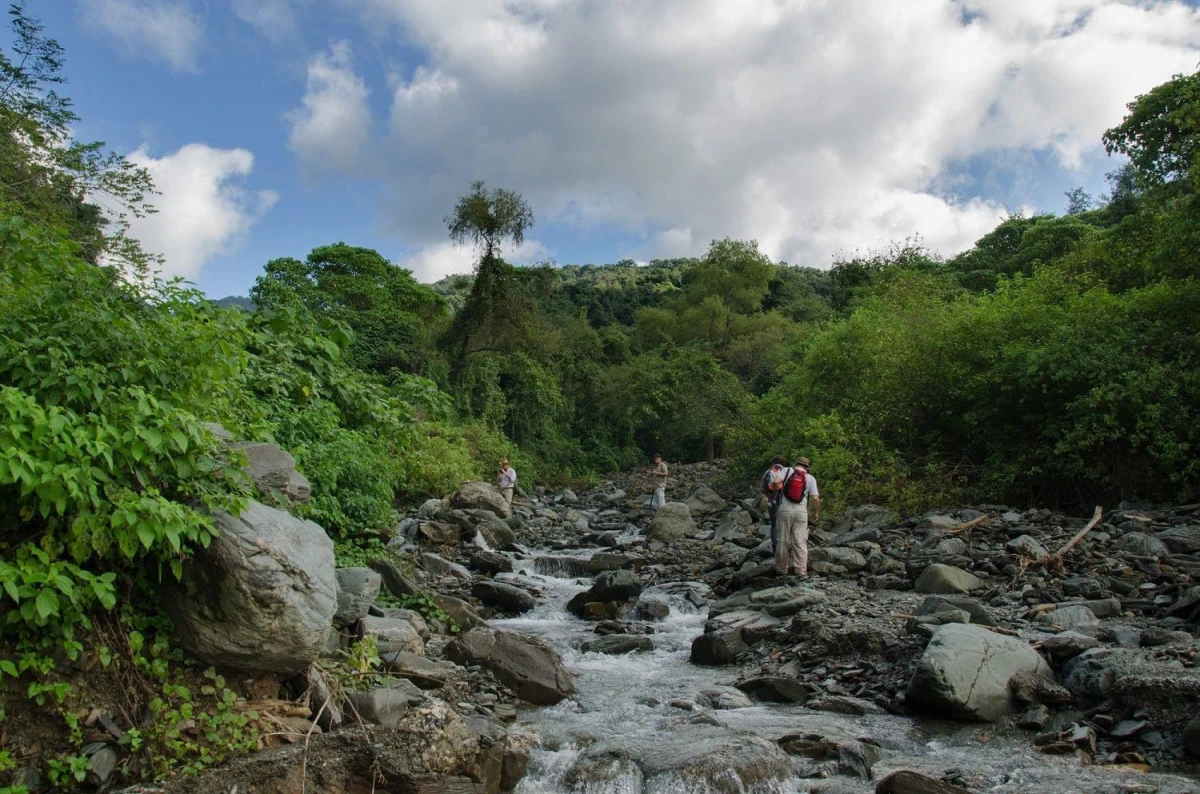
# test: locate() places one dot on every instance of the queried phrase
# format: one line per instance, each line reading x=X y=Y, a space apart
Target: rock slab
x=526 y=665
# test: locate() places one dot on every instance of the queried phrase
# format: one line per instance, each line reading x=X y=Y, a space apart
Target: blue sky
x=634 y=129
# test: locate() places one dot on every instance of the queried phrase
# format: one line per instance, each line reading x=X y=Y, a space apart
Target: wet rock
x=1078 y=619
x=965 y=672
x=724 y=699
x=1035 y=719
x=491 y=562
x=1191 y=736
x=618 y=644
x=392 y=634
x=650 y=610
x=612 y=561
x=504 y=596
x=775 y=689
x=357 y=589
x=710 y=756
x=480 y=496
x=906 y=782
x=526 y=665
x=440 y=566
x=261 y=597
x=858 y=758
x=844 y=704
x=671 y=522
x=620 y=585
x=384 y=707
x=718 y=648
x=946 y=580
x=704 y=501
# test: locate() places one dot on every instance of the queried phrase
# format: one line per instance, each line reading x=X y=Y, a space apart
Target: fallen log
x=1070 y=544
x=972 y=523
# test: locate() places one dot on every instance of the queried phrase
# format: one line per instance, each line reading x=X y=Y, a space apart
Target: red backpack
x=794 y=486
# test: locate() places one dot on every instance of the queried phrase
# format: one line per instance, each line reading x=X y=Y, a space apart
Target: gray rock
x=1096 y=672
x=651 y=609
x=526 y=665
x=1181 y=540
x=101 y=765
x=460 y=612
x=611 y=561
x=357 y=590
x=1074 y=618
x=687 y=757
x=704 y=501
x=433 y=508
x=425 y=673
x=261 y=597
x=491 y=562
x=392 y=634
x=274 y=470
x=394 y=580
x=934 y=603
x=843 y=704
x=1191 y=736
x=620 y=585
x=505 y=596
x=947 y=580
x=1102 y=607
x=1026 y=546
x=618 y=644
x=481 y=496
x=1143 y=545
x=1068 y=643
x=568 y=497
x=724 y=699
x=1155 y=636
x=775 y=689
x=718 y=647
x=384 y=707
x=965 y=673
x=440 y=566
x=847 y=558
x=671 y=522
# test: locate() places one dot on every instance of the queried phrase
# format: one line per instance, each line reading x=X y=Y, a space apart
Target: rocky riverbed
x=603 y=647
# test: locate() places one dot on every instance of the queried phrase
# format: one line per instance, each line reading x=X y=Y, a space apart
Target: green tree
x=1161 y=133
x=486 y=218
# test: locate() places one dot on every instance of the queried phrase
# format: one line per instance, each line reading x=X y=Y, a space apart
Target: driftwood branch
x=972 y=523
x=1070 y=544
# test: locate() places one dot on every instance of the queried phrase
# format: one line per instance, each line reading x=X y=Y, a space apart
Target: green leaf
x=47 y=604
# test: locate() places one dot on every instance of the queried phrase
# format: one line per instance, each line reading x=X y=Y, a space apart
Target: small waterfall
x=561 y=567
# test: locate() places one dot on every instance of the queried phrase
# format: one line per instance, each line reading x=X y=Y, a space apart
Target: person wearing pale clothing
x=507 y=481
x=659 y=473
x=791 y=520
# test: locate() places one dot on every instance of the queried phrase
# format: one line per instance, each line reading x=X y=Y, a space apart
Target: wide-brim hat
x=802 y=461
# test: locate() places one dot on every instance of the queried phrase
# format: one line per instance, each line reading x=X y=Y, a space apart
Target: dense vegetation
x=1057 y=361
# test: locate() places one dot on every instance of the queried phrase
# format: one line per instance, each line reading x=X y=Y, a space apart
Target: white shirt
x=508 y=477
x=810 y=488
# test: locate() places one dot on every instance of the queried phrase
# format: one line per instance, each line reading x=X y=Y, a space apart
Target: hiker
x=799 y=487
x=659 y=473
x=507 y=481
x=771 y=488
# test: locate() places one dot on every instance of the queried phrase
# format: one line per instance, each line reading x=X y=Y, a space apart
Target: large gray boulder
x=965 y=673
x=261 y=597
x=672 y=522
x=941 y=579
x=684 y=758
x=526 y=665
x=392 y=635
x=274 y=469
x=704 y=501
x=357 y=590
x=477 y=495
x=618 y=585
x=1143 y=545
x=505 y=596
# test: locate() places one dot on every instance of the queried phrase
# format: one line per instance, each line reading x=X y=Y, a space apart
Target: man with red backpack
x=791 y=520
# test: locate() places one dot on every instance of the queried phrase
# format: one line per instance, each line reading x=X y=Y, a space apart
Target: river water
x=630 y=696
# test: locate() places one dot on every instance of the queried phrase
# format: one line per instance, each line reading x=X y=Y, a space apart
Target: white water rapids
x=630 y=696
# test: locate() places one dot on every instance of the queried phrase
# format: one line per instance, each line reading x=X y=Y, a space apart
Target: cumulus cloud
x=331 y=132
x=204 y=211
x=275 y=19
x=167 y=30
x=816 y=128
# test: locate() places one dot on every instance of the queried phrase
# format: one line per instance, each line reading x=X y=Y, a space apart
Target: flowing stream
x=631 y=696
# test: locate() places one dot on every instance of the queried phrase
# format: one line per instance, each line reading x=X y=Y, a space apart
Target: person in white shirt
x=659 y=474
x=507 y=481
x=791 y=520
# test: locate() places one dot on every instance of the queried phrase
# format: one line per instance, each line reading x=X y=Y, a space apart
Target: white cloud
x=170 y=31
x=438 y=260
x=275 y=19
x=814 y=127
x=203 y=211
x=331 y=133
